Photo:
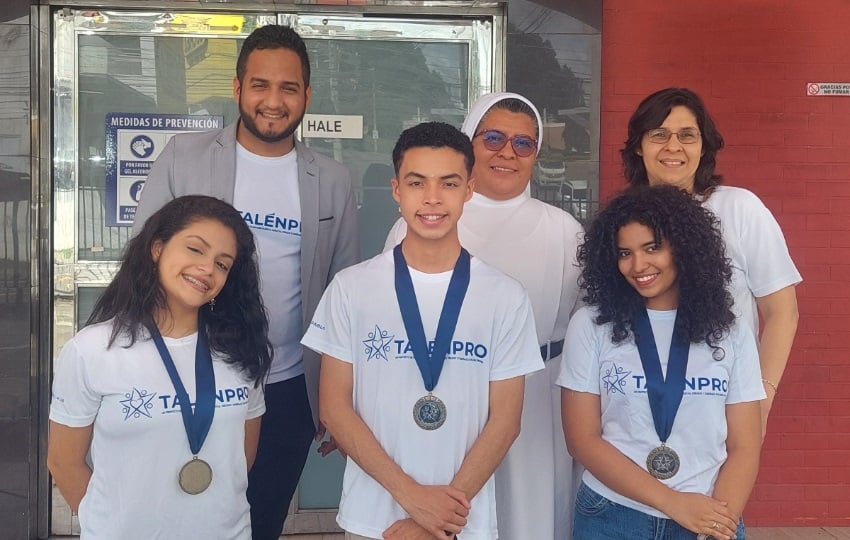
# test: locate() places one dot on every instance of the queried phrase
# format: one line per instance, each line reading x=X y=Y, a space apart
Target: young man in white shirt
x=425 y=408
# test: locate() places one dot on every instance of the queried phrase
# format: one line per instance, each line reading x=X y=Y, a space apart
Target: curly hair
x=650 y=114
x=433 y=135
x=238 y=326
x=704 y=312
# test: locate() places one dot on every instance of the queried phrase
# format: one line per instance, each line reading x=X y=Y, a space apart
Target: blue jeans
x=597 y=518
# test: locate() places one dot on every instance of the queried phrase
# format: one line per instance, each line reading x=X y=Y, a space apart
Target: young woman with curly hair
x=661 y=386
x=162 y=388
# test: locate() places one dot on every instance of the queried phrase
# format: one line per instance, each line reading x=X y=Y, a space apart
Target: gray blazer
x=205 y=163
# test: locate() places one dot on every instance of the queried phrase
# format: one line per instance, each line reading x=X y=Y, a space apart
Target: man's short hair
x=274 y=36
x=434 y=135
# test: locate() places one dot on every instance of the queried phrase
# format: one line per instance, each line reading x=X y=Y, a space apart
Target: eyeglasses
x=494 y=140
x=662 y=135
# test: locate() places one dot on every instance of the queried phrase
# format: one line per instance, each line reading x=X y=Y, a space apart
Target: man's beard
x=251 y=126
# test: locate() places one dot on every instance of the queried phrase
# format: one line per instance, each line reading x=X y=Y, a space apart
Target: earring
x=212 y=304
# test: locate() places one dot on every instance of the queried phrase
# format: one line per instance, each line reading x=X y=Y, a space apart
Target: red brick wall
x=750 y=61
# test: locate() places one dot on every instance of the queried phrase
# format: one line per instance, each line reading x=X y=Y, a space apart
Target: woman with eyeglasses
x=535 y=243
x=673 y=140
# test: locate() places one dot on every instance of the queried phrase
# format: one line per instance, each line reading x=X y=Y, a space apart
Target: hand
x=327 y=447
x=407 y=529
x=440 y=510
x=702 y=514
x=320 y=433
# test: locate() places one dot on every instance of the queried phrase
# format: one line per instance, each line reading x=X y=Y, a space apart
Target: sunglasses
x=494 y=140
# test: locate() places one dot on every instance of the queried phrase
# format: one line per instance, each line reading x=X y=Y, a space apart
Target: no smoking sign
x=827 y=89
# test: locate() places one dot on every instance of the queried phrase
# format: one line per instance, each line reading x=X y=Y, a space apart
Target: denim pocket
x=590 y=503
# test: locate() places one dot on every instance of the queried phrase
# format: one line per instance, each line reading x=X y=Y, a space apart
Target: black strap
x=552 y=349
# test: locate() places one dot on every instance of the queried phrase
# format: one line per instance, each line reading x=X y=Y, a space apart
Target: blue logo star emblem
x=137 y=404
x=378 y=344
x=615 y=379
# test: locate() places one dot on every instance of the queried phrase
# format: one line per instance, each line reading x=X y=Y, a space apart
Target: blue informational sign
x=133 y=142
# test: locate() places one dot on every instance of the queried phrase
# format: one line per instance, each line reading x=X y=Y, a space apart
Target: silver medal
x=429 y=412
x=195 y=476
x=662 y=462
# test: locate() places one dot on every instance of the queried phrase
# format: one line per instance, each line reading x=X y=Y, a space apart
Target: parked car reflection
x=565 y=184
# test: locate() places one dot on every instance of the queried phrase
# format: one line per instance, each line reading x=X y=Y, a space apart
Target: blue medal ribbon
x=197 y=424
x=665 y=394
x=430 y=363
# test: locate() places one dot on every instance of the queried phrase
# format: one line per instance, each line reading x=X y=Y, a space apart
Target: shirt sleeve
x=330 y=329
x=517 y=352
x=745 y=380
x=256 y=401
x=580 y=361
x=73 y=403
x=767 y=262
x=570 y=290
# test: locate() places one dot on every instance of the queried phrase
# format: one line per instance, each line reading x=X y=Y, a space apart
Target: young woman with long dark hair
x=162 y=388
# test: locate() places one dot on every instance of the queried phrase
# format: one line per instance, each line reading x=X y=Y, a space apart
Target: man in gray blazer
x=301 y=209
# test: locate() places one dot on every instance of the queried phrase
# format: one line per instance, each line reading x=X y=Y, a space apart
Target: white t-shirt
x=358 y=321
x=266 y=195
x=615 y=373
x=756 y=246
x=139 y=443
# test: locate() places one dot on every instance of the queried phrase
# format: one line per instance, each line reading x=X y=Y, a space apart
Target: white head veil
x=483 y=105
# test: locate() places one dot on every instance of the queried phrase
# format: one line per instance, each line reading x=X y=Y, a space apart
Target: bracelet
x=775 y=388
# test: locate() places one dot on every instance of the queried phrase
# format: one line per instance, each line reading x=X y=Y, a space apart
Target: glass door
x=126 y=81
